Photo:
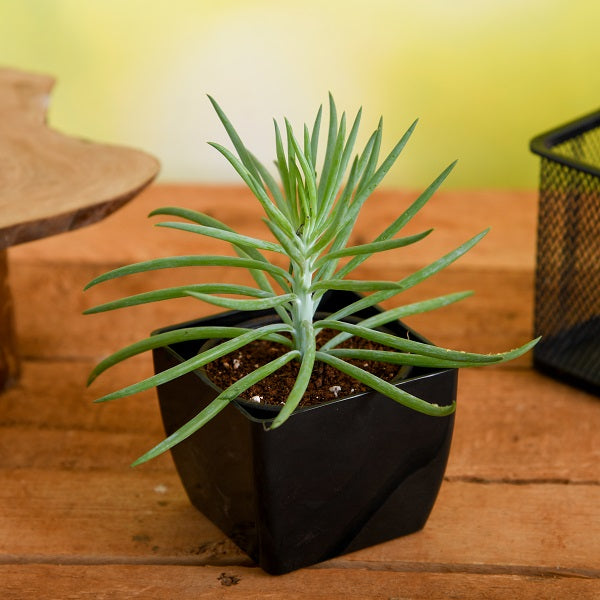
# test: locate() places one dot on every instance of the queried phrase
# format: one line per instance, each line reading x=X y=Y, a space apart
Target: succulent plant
x=311 y=215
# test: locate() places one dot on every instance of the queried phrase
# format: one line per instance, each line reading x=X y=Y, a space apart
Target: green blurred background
x=482 y=76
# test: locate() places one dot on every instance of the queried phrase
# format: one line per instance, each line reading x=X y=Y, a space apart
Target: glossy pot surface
x=333 y=479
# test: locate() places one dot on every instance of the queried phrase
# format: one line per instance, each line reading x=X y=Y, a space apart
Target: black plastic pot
x=333 y=479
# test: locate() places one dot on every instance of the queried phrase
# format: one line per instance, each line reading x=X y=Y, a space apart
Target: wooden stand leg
x=9 y=361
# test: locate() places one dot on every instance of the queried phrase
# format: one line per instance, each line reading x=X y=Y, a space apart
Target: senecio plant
x=311 y=215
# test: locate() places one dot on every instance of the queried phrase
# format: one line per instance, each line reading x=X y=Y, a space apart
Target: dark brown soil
x=326 y=382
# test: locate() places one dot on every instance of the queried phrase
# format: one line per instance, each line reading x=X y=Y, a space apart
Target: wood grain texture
x=116 y=582
x=517 y=514
x=9 y=358
x=49 y=182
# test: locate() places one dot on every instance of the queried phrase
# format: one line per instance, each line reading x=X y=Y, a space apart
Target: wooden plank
x=456 y=216
x=112 y=582
x=518 y=425
x=512 y=424
x=99 y=516
x=65 y=332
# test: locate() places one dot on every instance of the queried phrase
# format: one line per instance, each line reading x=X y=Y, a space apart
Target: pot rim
x=268 y=412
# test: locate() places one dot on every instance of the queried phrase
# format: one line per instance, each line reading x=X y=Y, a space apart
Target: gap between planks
x=333 y=564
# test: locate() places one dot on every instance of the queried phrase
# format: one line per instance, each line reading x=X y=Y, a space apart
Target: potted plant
x=306 y=421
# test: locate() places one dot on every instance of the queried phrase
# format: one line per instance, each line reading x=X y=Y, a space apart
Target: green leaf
x=368 y=161
x=190 y=215
x=331 y=194
x=296 y=177
x=381 y=172
x=366 y=186
x=307 y=170
x=354 y=285
x=281 y=163
x=189 y=261
x=289 y=245
x=314 y=138
x=400 y=358
x=178 y=292
x=196 y=361
x=176 y=336
x=405 y=345
x=202 y=219
x=414 y=347
x=242 y=251
x=398 y=313
x=373 y=247
x=411 y=280
x=379 y=385
x=327 y=229
x=328 y=196
x=243 y=153
x=217 y=405
x=261 y=195
x=227 y=236
x=331 y=141
x=272 y=185
x=236 y=304
x=302 y=380
x=402 y=220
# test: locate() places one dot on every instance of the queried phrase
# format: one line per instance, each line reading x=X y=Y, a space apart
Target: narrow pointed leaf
x=195 y=362
x=314 y=138
x=331 y=141
x=387 y=389
x=343 y=164
x=241 y=251
x=189 y=261
x=400 y=358
x=400 y=312
x=406 y=345
x=355 y=285
x=373 y=247
x=220 y=234
x=176 y=336
x=235 y=139
x=217 y=405
x=334 y=168
x=237 y=304
x=271 y=184
x=261 y=195
x=288 y=244
x=178 y=292
x=302 y=380
x=382 y=171
x=411 y=280
x=402 y=220
x=307 y=169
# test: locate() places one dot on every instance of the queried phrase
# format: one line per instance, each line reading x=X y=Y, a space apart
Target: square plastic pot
x=333 y=479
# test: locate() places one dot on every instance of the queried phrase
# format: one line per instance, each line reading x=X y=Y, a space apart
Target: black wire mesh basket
x=567 y=279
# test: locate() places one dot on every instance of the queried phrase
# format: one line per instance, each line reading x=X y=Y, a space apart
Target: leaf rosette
x=311 y=214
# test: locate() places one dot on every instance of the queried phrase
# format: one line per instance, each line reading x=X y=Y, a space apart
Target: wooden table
x=518 y=515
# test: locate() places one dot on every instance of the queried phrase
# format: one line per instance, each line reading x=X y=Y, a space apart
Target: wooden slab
x=49 y=182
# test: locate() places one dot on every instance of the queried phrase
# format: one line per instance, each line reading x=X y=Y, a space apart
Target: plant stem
x=304 y=305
